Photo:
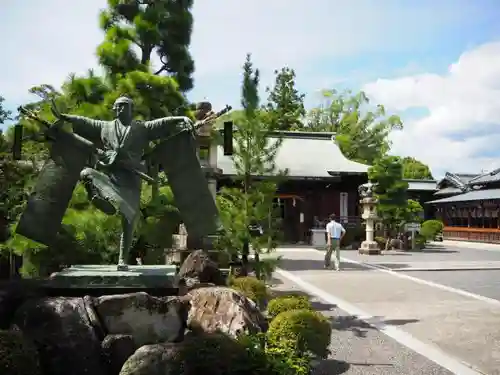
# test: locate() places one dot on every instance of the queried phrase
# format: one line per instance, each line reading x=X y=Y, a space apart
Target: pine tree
x=285 y=103
x=251 y=202
x=161 y=26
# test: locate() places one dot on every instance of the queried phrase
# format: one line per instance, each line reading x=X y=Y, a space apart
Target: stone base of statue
x=98 y=280
x=369 y=248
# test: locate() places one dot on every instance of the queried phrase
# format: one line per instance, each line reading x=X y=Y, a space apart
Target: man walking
x=335 y=232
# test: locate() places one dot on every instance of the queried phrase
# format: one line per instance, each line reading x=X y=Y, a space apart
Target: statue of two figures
x=113 y=172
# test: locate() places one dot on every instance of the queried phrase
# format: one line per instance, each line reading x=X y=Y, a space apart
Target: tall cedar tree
x=161 y=27
x=254 y=155
x=285 y=103
x=362 y=134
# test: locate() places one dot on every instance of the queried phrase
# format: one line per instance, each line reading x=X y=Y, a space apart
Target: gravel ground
x=358 y=349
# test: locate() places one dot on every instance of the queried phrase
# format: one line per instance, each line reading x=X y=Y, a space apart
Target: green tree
x=5 y=114
x=161 y=27
x=285 y=103
x=391 y=191
x=362 y=134
x=415 y=170
x=251 y=202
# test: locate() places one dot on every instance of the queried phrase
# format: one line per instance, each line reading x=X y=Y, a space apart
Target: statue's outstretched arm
x=165 y=126
x=84 y=126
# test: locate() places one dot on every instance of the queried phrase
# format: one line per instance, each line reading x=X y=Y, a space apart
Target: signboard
x=412 y=227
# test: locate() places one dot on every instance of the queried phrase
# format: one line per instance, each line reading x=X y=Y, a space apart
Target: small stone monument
x=369 y=204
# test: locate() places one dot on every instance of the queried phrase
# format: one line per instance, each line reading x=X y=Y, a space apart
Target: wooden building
x=320 y=181
x=469 y=206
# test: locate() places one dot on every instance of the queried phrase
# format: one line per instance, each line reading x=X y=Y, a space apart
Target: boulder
x=13 y=294
x=61 y=330
x=222 y=309
x=198 y=268
x=18 y=355
x=116 y=350
x=146 y=318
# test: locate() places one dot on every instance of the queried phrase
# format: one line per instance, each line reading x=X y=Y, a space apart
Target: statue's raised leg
x=95 y=197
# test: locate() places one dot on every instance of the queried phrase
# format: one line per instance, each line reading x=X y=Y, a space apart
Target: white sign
x=412 y=227
x=301 y=217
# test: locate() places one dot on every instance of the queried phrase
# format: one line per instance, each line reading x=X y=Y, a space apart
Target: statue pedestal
x=97 y=280
x=369 y=246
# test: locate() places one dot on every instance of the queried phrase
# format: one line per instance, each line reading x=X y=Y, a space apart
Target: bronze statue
x=108 y=157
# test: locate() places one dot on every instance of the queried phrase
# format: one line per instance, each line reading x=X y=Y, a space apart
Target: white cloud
x=461 y=131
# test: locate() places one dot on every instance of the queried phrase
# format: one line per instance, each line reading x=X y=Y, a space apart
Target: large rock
x=146 y=318
x=62 y=332
x=13 y=294
x=198 y=354
x=222 y=309
x=198 y=268
x=18 y=355
x=116 y=350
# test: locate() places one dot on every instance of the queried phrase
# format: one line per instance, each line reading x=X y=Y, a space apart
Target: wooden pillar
x=498 y=216
x=469 y=217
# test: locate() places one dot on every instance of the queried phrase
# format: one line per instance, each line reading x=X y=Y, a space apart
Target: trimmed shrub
x=252 y=288
x=381 y=241
x=308 y=332
x=18 y=356
x=287 y=303
x=430 y=228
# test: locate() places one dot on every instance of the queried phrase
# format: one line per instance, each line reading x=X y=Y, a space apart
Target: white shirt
x=334 y=229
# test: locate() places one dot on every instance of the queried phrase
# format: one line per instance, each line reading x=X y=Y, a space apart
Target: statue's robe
x=124 y=148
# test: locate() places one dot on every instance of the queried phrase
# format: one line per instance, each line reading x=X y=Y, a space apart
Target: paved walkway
x=447 y=331
x=468 y=245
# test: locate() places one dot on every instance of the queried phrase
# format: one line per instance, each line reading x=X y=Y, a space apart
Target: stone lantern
x=369 y=214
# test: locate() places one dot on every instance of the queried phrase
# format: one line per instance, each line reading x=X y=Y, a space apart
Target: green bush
x=216 y=353
x=252 y=288
x=430 y=228
x=17 y=355
x=380 y=242
x=307 y=332
x=287 y=303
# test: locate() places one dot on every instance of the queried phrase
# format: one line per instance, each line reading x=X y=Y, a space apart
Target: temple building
x=320 y=181
x=469 y=206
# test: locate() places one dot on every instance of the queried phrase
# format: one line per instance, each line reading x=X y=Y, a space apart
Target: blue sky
x=436 y=63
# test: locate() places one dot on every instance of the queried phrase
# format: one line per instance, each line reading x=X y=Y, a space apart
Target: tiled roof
x=304 y=154
x=465 y=177
x=448 y=191
x=485 y=179
x=474 y=195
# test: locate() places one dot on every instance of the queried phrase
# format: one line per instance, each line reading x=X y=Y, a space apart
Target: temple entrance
x=291 y=211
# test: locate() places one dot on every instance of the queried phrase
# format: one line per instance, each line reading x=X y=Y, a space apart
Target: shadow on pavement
x=316 y=265
x=359 y=328
x=331 y=367
x=435 y=250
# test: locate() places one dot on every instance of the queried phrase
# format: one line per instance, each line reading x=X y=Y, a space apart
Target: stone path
x=437 y=330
